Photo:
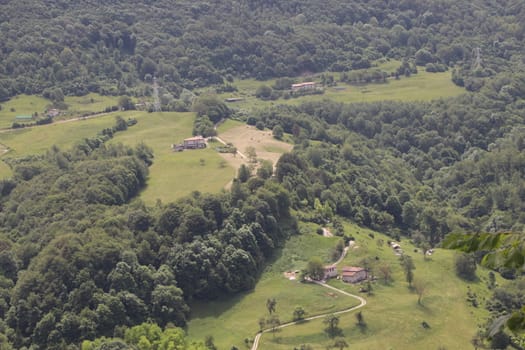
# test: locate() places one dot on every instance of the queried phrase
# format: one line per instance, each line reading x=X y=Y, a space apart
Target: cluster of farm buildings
x=350 y=274
x=196 y=142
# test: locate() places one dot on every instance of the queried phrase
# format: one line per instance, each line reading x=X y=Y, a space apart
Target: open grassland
x=422 y=86
x=393 y=317
x=243 y=136
x=172 y=175
x=21 y=105
x=175 y=174
x=39 y=139
x=77 y=105
x=90 y=103
x=229 y=124
x=235 y=319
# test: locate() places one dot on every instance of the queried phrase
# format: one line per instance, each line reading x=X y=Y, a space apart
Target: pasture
x=21 y=105
x=243 y=136
x=175 y=174
x=88 y=104
x=39 y=139
x=422 y=86
x=393 y=317
x=172 y=175
x=30 y=104
x=232 y=320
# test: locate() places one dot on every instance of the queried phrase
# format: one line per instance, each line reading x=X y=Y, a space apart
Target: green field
x=77 y=105
x=231 y=321
x=175 y=174
x=228 y=124
x=21 y=105
x=90 y=103
x=392 y=314
x=171 y=176
x=422 y=86
x=39 y=139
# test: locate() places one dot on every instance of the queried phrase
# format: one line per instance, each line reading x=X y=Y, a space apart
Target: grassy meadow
x=172 y=175
x=422 y=86
x=175 y=174
x=393 y=316
x=21 y=105
x=90 y=103
x=232 y=320
x=30 y=104
x=39 y=139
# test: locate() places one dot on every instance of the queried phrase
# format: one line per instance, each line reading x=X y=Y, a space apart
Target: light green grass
x=175 y=174
x=22 y=105
x=422 y=86
x=231 y=321
x=90 y=103
x=228 y=124
x=39 y=139
x=392 y=314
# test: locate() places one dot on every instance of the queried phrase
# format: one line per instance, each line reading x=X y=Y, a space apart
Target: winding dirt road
x=362 y=302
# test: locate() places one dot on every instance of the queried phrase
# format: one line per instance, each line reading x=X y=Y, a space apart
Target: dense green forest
x=82 y=259
x=63 y=47
x=79 y=260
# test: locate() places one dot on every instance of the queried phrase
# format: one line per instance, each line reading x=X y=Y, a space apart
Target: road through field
x=362 y=302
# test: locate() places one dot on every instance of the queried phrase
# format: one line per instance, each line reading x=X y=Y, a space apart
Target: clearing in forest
x=393 y=317
x=243 y=136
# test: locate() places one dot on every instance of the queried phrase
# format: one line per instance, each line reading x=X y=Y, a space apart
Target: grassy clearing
x=171 y=176
x=90 y=103
x=77 y=105
x=422 y=86
x=21 y=105
x=393 y=316
x=244 y=136
x=231 y=321
x=228 y=125
x=419 y=87
x=39 y=139
x=175 y=174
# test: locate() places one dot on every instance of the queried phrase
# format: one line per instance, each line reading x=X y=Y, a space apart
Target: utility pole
x=477 y=61
x=156 y=99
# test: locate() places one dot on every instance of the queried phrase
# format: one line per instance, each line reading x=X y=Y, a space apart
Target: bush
x=465 y=267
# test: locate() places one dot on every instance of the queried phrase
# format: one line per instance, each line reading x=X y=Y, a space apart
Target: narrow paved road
x=362 y=302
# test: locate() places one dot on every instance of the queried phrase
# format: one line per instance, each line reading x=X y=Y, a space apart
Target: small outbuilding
x=353 y=274
x=309 y=85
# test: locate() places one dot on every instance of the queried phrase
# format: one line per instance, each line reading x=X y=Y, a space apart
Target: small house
x=352 y=274
x=195 y=142
x=53 y=113
x=310 y=85
x=329 y=272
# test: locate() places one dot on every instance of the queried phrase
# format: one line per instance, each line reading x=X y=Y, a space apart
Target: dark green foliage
x=465 y=266
x=112 y=48
x=78 y=259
